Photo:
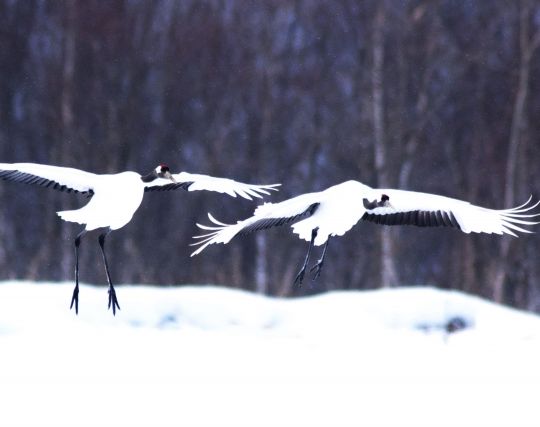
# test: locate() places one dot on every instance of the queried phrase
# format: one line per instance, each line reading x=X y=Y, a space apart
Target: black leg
x=319 y=265
x=113 y=301
x=75 y=297
x=300 y=276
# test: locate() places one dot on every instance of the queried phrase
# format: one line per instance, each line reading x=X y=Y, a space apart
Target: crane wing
x=194 y=182
x=265 y=216
x=56 y=177
x=399 y=207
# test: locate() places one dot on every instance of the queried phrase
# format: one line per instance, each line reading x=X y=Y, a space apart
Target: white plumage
x=116 y=197
x=334 y=211
x=195 y=182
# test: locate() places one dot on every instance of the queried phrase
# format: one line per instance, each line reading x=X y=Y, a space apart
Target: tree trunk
x=67 y=128
x=388 y=271
x=527 y=48
x=57 y=232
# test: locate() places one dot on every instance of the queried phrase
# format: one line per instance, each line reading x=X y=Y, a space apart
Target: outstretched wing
x=265 y=216
x=55 y=177
x=398 y=207
x=194 y=182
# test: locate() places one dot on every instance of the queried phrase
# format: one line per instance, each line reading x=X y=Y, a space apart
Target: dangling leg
x=319 y=265
x=112 y=293
x=300 y=276
x=75 y=297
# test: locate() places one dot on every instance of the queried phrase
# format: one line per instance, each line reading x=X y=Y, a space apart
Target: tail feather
x=71 y=216
x=221 y=233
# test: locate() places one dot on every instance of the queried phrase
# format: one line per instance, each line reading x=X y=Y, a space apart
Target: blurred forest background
x=428 y=95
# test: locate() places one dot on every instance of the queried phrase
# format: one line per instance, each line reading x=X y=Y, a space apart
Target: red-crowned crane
x=332 y=212
x=115 y=198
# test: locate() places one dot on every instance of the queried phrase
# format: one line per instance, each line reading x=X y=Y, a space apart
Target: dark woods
x=438 y=96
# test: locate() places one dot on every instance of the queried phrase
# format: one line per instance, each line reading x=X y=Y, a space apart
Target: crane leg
x=300 y=276
x=113 y=301
x=75 y=297
x=319 y=265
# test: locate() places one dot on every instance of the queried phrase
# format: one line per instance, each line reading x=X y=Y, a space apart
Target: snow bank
x=208 y=356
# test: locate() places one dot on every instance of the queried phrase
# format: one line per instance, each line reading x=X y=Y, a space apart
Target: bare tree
x=389 y=275
x=409 y=94
x=528 y=45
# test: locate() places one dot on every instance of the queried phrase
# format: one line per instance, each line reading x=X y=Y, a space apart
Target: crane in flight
x=114 y=198
x=315 y=217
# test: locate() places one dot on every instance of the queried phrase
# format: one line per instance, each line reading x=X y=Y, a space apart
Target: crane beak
x=169 y=175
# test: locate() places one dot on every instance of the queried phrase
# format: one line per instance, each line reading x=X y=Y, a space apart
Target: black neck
x=150 y=177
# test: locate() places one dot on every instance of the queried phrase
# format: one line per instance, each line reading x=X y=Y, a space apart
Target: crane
x=114 y=198
x=316 y=217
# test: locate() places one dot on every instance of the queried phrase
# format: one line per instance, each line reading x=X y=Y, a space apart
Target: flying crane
x=114 y=198
x=315 y=217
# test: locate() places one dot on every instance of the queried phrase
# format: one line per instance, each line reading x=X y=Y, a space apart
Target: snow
x=209 y=356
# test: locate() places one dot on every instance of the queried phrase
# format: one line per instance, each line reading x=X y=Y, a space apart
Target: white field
x=208 y=356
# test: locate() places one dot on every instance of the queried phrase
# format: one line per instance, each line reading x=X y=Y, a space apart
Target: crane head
x=161 y=171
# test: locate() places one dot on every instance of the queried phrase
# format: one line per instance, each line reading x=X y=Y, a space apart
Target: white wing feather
x=220 y=185
x=223 y=233
x=471 y=218
x=72 y=178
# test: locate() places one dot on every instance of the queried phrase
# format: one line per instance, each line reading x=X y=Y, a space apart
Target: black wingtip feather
x=263 y=224
x=169 y=187
x=27 y=178
x=418 y=218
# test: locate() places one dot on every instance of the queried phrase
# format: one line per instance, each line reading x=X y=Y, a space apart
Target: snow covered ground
x=208 y=356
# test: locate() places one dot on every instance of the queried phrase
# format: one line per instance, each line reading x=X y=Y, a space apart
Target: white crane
x=115 y=198
x=334 y=211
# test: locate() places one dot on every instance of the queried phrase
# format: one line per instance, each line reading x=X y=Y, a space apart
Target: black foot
x=113 y=301
x=317 y=268
x=75 y=299
x=300 y=277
